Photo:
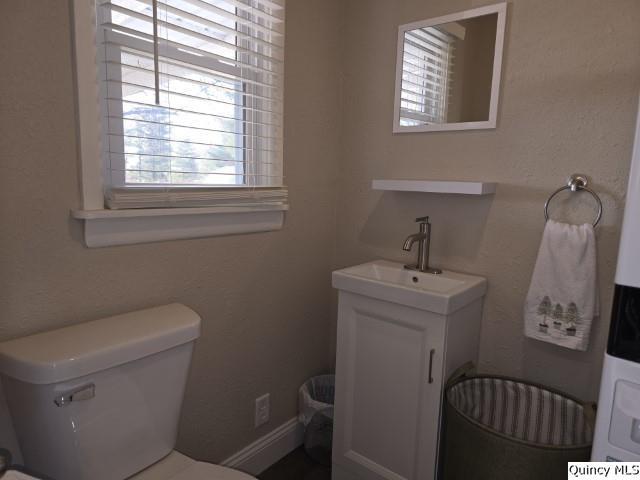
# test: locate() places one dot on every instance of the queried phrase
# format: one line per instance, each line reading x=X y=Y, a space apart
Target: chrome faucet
x=424 y=240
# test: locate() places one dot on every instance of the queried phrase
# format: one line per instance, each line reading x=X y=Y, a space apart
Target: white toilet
x=101 y=400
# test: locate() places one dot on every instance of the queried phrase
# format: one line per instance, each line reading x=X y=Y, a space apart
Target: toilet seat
x=176 y=466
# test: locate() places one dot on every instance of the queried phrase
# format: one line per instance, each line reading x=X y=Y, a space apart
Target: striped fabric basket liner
x=499 y=428
x=522 y=411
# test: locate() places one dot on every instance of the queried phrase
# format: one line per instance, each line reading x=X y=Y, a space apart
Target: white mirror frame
x=501 y=10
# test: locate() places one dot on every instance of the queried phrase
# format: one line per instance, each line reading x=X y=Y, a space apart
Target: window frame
x=105 y=227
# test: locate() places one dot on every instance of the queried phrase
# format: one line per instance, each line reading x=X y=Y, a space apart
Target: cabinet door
x=388 y=388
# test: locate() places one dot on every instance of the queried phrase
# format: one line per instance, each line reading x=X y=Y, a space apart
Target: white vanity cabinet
x=392 y=361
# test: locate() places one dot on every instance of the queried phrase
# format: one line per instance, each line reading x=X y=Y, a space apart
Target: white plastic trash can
x=315 y=402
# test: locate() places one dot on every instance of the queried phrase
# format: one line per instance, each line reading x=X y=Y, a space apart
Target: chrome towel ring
x=576 y=182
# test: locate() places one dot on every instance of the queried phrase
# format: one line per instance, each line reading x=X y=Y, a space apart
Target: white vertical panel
x=628 y=272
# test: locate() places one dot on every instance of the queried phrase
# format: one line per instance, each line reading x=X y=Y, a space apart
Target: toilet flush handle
x=85 y=392
x=635 y=430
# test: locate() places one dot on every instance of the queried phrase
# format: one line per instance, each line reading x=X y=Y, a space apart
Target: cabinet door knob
x=431 y=354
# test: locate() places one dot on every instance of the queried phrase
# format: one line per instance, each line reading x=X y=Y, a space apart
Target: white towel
x=563 y=297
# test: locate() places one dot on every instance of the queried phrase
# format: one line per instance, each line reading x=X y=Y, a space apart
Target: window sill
x=104 y=228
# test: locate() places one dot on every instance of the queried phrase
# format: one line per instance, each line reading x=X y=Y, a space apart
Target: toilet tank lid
x=79 y=350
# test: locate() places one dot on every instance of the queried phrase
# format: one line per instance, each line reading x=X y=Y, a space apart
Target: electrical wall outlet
x=262 y=410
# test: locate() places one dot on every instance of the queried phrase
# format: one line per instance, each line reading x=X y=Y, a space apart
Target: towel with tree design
x=563 y=299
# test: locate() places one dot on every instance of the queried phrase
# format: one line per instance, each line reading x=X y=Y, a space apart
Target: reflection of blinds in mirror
x=426 y=76
x=192 y=92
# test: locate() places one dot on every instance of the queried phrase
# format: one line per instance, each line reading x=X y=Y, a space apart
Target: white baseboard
x=267 y=450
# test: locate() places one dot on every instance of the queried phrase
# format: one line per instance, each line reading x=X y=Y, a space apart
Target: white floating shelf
x=436 y=186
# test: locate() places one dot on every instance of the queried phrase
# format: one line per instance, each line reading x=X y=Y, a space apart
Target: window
x=426 y=76
x=191 y=94
x=190 y=105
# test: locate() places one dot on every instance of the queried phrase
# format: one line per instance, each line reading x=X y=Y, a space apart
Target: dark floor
x=296 y=466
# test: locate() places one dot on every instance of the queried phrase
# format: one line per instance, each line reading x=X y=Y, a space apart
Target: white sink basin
x=390 y=281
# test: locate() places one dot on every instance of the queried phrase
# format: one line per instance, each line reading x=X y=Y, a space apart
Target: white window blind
x=191 y=101
x=426 y=76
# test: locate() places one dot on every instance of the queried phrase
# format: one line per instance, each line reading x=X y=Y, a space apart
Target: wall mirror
x=448 y=71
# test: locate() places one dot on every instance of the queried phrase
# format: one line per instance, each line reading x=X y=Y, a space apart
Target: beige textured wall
x=569 y=96
x=264 y=298
x=568 y=102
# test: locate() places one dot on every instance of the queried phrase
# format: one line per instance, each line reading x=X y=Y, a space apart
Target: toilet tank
x=100 y=400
